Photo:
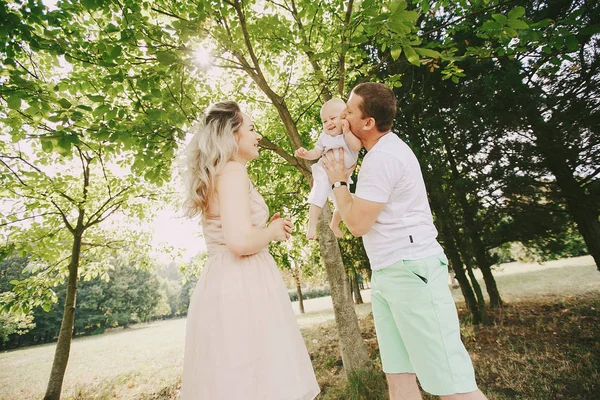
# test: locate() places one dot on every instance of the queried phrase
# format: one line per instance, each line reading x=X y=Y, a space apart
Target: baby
x=336 y=134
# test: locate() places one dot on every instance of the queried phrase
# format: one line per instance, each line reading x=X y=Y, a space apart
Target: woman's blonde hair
x=211 y=147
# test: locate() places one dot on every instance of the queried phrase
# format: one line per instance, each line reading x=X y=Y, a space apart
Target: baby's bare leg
x=336 y=219
x=313 y=218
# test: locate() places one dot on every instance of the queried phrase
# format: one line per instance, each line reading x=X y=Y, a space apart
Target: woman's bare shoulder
x=233 y=167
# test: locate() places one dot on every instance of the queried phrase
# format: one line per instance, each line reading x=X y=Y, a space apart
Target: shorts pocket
x=417 y=268
x=443 y=259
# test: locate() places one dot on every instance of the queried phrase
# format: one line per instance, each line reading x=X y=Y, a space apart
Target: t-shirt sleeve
x=378 y=176
x=320 y=145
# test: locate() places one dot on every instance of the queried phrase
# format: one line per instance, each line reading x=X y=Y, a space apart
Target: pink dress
x=242 y=338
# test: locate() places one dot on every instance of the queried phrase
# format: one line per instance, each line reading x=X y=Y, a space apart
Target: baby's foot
x=311 y=233
x=336 y=230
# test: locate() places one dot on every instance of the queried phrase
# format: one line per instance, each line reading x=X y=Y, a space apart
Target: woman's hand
x=281 y=227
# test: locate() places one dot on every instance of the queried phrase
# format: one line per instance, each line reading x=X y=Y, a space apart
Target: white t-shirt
x=327 y=142
x=390 y=173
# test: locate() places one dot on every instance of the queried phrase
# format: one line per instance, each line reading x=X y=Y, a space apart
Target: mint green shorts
x=417 y=325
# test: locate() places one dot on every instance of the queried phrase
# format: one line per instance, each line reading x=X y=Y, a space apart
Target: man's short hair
x=378 y=103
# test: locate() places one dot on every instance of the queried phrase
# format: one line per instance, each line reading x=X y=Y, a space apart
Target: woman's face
x=247 y=141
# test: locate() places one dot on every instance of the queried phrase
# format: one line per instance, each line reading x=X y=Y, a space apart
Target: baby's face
x=331 y=116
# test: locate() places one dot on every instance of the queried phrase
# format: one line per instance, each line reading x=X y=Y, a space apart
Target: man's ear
x=370 y=123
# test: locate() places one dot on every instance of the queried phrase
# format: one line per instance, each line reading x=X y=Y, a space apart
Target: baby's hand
x=345 y=126
x=301 y=152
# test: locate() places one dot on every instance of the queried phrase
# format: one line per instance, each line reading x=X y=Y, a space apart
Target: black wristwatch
x=338 y=184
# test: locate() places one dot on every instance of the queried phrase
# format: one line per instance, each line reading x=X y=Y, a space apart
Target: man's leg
x=428 y=324
x=395 y=361
x=403 y=387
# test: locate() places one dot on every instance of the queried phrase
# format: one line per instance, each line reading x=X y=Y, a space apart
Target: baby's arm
x=353 y=142
x=308 y=154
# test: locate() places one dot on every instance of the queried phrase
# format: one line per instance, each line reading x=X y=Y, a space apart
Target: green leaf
x=14 y=102
x=501 y=19
x=84 y=107
x=47 y=145
x=411 y=55
x=64 y=103
x=166 y=57
x=517 y=24
x=95 y=98
x=516 y=12
x=398 y=5
x=155 y=114
x=572 y=43
x=427 y=52
x=395 y=52
x=542 y=24
x=399 y=27
x=101 y=110
x=405 y=16
x=491 y=26
x=90 y=4
x=46 y=306
x=590 y=30
x=116 y=52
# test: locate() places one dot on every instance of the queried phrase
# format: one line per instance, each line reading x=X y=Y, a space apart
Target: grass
x=537 y=349
x=545 y=344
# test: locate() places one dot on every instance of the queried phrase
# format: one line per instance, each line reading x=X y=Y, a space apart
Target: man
x=415 y=316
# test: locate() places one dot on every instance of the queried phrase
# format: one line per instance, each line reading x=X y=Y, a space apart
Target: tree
x=91 y=101
x=50 y=208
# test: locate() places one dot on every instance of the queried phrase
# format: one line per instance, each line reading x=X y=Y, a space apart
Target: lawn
x=545 y=344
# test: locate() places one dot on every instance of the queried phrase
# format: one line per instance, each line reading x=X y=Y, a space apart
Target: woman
x=242 y=339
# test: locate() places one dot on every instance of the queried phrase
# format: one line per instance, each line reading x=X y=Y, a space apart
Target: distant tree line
x=131 y=296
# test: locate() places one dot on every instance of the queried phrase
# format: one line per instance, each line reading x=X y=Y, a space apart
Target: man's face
x=354 y=115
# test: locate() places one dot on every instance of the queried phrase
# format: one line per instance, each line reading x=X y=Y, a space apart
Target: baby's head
x=331 y=116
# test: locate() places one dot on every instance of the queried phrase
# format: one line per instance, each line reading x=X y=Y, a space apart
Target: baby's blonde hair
x=211 y=147
x=333 y=102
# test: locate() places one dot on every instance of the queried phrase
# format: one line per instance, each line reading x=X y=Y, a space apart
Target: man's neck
x=372 y=140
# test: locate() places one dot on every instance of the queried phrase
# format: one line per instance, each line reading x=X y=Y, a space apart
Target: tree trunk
x=448 y=232
x=469 y=214
x=354 y=352
x=580 y=205
x=465 y=286
x=480 y=299
x=63 y=346
x=350 y=285
x=355 y=356
x=356 y=289
x=369 y=275
x=299 y=291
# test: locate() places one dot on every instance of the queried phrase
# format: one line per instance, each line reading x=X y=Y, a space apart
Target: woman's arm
x=241 y=238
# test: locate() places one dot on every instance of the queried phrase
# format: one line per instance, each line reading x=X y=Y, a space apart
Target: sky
x=172 y=229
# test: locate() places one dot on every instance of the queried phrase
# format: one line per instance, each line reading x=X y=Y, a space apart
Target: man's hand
x=335 y=169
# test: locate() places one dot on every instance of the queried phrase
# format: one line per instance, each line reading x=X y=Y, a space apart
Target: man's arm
x=358 y=214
